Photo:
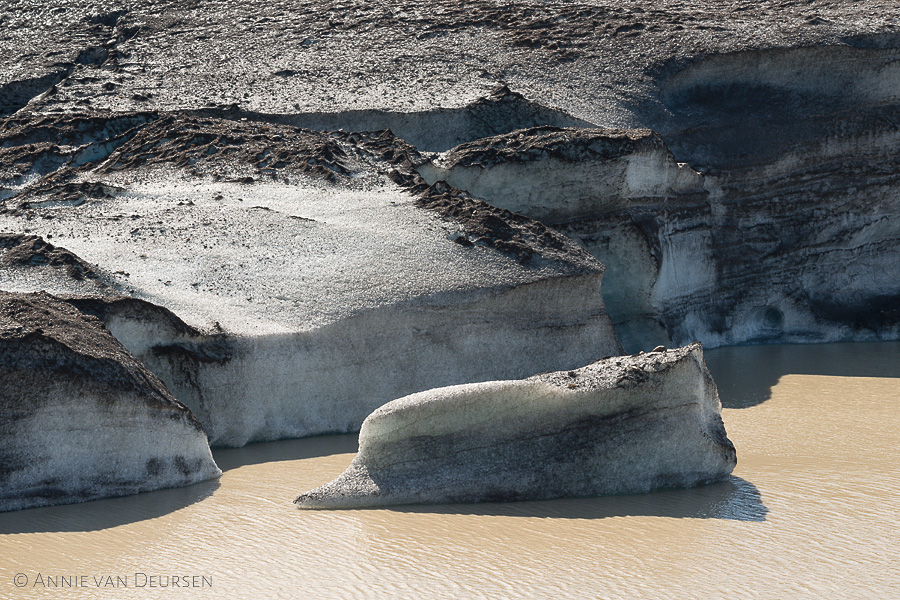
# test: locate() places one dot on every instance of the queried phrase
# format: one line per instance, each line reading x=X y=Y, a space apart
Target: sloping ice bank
x=286 y=283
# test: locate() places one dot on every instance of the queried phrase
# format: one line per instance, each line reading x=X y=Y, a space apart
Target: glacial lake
x=810 y=512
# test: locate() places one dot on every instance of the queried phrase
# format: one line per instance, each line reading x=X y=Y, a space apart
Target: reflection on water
x=745 y=375
x=326 y=445
x=809 y=513
x=733 y=498
x=103 y=514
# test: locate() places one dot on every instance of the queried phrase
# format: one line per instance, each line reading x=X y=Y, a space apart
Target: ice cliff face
x=797 y=243
x=560 y=174
x=80 y=418
x=621 y=425
x=290 y=282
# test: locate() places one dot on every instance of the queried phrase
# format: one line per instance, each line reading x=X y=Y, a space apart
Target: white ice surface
x=273 y=257
x=333 y=300
x=86 y=448
x=329 y=379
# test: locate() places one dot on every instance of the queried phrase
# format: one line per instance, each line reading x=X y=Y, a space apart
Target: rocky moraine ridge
x=290 y=214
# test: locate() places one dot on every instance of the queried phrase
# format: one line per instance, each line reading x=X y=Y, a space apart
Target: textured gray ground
x=599 y=61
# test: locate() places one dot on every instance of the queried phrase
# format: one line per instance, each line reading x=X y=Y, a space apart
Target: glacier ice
x=307 y=300
x=621 y=425
x=741 y=253
x=80 y=418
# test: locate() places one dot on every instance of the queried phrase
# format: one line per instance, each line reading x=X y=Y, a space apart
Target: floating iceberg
x=622 y=425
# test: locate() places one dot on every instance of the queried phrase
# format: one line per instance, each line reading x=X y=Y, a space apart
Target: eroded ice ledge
x=795 y=246
x=625 y=424
x=81 y=418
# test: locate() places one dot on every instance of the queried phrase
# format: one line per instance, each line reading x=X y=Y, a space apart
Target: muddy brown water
x=810 y=512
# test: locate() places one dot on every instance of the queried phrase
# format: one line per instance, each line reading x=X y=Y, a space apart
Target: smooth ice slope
x=80 y=419
x=621 y=425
